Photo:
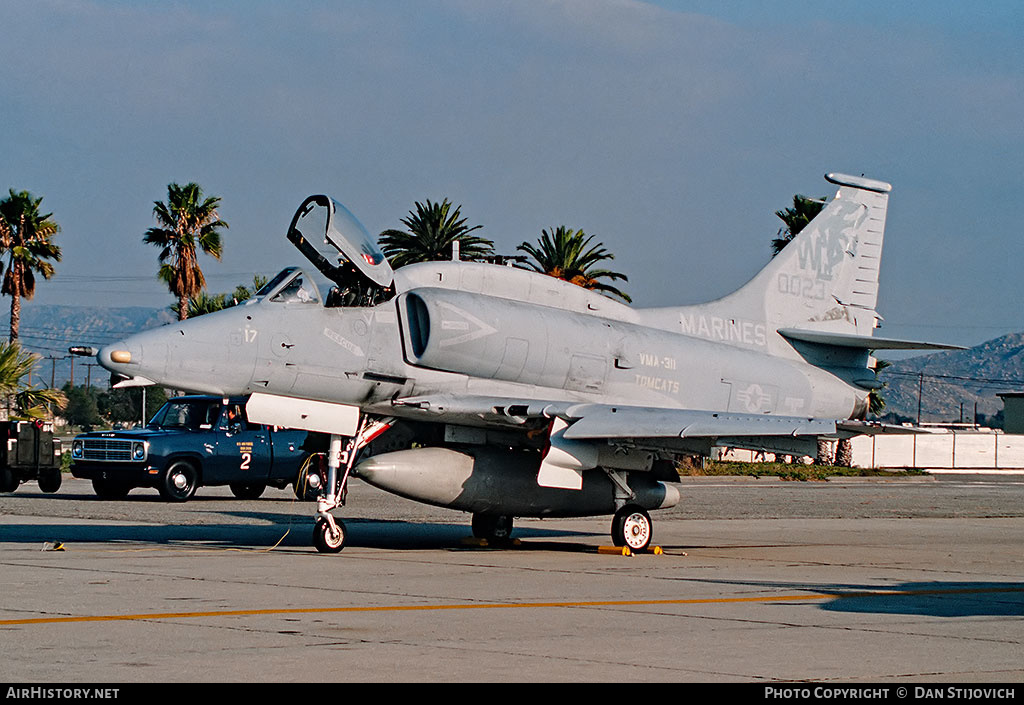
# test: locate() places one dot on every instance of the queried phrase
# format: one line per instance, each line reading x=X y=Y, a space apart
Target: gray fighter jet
x=507 y=393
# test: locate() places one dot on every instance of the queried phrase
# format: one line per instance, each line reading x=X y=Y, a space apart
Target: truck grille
x=105 y=449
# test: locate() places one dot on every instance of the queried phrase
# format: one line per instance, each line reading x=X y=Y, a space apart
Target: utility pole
x=920 y=390
x=53 y=368
x=88 y=376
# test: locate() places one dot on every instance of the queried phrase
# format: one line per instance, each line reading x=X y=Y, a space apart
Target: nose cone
x=142 y=357
x=119 y=357
x=211 y=354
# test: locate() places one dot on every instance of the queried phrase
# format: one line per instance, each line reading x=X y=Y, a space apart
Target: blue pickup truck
x=193 y=441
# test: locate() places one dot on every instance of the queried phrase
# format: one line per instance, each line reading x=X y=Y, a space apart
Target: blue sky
x=670 y=130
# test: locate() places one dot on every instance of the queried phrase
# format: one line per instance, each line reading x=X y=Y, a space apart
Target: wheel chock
x=615 y=550
x=626 y=551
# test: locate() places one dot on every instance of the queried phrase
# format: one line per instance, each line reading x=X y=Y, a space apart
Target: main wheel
x=492 y=527
x=248 y=491
x=49 y=482
x=8 y=480
x=179 y=481
x=326 y=540
x=108 y=489
x=632 y=527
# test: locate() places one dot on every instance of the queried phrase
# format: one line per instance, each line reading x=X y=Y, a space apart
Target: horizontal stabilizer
x=854 y=427
x=866 y=342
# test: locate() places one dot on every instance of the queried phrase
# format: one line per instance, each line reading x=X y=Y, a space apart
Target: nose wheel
x=329 y=535
x=632 y=528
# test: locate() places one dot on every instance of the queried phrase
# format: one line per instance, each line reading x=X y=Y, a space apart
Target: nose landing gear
x=329 y=534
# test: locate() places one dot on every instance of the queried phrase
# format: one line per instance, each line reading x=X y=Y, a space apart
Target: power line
x=985 y=381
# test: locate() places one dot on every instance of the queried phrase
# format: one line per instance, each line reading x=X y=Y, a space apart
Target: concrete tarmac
x=760 y=581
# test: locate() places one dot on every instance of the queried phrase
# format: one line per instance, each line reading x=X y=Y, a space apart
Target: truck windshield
x=193 y=414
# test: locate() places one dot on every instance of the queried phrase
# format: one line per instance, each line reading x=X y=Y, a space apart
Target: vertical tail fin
x=825 y=279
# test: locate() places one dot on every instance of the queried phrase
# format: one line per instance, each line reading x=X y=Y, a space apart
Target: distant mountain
x=50 y=330
x=956 y=377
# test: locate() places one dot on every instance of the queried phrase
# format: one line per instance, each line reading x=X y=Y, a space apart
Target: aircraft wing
x=604 y=421
x=595 y=422
x=580 y=433
x=588 y=421
x=610 y=422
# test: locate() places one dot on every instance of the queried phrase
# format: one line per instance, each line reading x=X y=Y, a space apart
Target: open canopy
x=334 y=240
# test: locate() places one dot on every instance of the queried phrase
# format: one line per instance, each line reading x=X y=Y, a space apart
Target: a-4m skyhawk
x=508 y=393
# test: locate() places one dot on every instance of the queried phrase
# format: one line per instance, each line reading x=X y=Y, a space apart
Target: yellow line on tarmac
x=500 y=605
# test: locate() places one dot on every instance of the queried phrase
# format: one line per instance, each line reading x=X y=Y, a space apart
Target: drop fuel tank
x=501 y=481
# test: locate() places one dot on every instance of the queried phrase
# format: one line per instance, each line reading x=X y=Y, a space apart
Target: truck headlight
x=138 y=451
x=76 y=449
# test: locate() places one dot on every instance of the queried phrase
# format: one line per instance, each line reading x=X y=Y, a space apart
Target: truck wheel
x=250 y=491
x=179 y=481
x=310 y=482
x=49 y=482
x=106 y=489
x=8 y=480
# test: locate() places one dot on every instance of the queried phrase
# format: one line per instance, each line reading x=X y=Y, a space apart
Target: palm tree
x=187 y=222
x=803 y=211
x=243 y=292
x=26 y=238
x=568 y=255
x=432 y=229
x=876 y=402
x=22 y=399
x=203 y=302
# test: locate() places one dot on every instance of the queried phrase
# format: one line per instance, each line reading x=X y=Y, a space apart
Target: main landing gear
x=494 y=528
x=632 y=528
x=631 y=525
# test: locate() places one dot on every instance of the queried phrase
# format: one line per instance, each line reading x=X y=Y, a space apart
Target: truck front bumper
x=127 y=474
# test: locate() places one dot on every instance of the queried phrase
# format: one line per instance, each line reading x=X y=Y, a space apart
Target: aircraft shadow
x=283 y=531
x=148 y=494
x=930 y=598
x=938 y=599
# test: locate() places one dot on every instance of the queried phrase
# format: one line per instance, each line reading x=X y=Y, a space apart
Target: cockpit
x=336 y=243
x=290 y=286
